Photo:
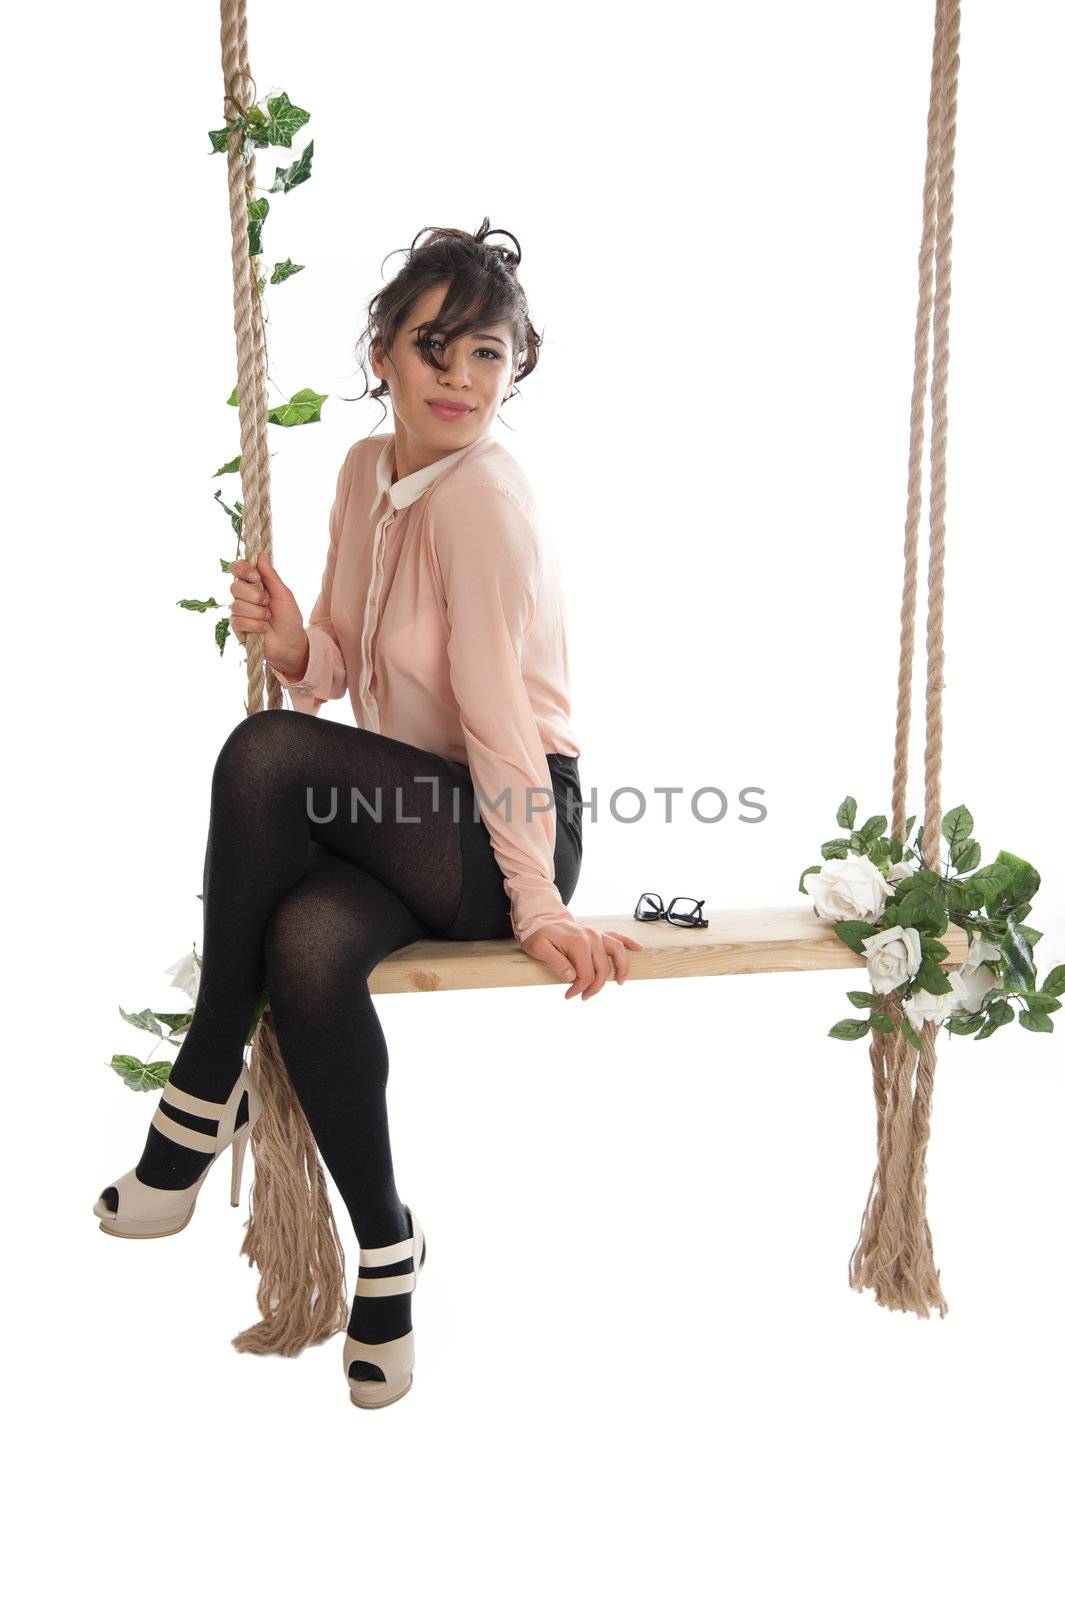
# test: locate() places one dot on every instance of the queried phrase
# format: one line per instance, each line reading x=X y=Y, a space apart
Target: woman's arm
x=325 y=675
x=487 y=557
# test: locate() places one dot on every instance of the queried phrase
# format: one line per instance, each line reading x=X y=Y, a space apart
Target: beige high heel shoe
x=144 y=1212
x=395 y=1357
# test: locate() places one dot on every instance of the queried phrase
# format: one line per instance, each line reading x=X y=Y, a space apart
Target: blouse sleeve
x=326 y=676
x=487 y=557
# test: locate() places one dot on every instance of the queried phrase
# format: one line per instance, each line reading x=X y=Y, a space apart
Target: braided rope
x=291 y=1233
x=894 y=1255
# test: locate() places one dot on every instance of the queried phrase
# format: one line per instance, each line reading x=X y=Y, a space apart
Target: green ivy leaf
x=286 y=178
x=230 y=466
x=305 y=406
x=176 y=1021
x=144 y=1019
x=283 y=270
x=285 y=119
x=221 y=634
x=850 y=1028
x=221 y=136
x=137 y=1074
x=258 y=211
x=199 y=605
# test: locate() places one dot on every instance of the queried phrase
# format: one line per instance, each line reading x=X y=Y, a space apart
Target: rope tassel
x=893 y=1256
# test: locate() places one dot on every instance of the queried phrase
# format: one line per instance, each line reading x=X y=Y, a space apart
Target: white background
x=640 y=1365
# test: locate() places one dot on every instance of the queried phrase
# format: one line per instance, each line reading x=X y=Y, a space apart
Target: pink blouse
x=441 y=613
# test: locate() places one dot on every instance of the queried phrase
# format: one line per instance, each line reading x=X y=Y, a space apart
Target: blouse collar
x=406 y=490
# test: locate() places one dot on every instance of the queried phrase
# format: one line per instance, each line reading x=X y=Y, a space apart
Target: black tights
x=310 y=907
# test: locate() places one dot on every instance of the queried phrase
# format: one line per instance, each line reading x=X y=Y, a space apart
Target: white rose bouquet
x=890 y=902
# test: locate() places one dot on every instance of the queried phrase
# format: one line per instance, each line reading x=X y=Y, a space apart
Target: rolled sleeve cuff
x=536 y=907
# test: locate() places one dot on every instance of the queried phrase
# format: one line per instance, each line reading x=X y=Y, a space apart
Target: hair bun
x=511 y=258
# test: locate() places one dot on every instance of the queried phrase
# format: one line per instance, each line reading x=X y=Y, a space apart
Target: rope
x=894 y=1255
x=291 y=1233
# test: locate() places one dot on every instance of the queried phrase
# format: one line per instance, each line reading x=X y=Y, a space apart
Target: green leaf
x=264 y=1000
x=176 y=1021
x=285 y=119
x=852 y=934
x=933 y=948
x=987 y=1030
x=1043 y=1003
x=1000 y=1012
x=957 y=826
x=836 y=849
x=305 y=406
x=283 y=270
x=858 y=997
x=257 y=214
x=199 y=605
x=968 y=856
x=220 y=136
x=234 y=399
x=230 y=466
x=909 y=1032
x=1023 y=879
x=1054 y=982
x=1036 y=1022
x=931 y=977
x=137 y=1074
x=144 y=1019
x=221 y=634
x=286 y=178
x=1017 y=957
x=850 y=1028
x=964 y=1024
x=872 y=829
x=847 y=812
x=882 y=1022
x=926 y=910
x=802 y=881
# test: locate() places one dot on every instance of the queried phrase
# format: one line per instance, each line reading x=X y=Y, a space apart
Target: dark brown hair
x=482 y=287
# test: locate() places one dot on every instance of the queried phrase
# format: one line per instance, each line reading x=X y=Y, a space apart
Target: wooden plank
x=777 y=939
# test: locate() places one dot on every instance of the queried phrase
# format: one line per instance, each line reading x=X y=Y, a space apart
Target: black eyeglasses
x=681 y=911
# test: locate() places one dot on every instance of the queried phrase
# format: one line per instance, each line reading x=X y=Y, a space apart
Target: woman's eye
x=483 y=351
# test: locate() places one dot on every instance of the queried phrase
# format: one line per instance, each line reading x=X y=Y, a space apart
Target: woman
x=452 y=811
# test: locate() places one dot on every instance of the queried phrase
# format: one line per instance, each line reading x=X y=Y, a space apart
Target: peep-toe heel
x=394 y=1358
x=130 y=1209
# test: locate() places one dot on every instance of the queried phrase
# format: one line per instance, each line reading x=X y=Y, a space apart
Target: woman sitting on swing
x=452 y=811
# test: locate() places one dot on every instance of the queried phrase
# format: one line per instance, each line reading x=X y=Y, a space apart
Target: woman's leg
x=281 y=781
x=322 y=942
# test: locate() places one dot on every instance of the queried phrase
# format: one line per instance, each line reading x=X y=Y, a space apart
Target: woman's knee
x=251 y=747
x=314 y=949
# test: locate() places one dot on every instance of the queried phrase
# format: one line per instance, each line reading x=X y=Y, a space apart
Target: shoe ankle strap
x=386 y=1255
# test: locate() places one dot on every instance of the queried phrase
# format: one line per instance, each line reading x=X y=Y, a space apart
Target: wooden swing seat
x=778 y=939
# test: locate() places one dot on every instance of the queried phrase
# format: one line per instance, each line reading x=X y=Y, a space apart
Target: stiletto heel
x=394 y=1357
x=130 y=1209
x=240 y=1145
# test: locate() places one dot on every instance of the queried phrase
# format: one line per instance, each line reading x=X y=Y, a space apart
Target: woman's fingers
x=604 y=966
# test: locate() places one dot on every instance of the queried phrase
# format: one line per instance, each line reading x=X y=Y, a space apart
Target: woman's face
x=479 y=370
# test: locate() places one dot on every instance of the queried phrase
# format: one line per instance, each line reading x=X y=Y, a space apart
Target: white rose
x=980 y=950
x=902 y=869
x=970 y=985
x=853 y=890
x=894 y=954
x=186 y=975
x=926 y=1007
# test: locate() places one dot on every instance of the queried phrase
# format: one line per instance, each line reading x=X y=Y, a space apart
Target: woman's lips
x=450 y=413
